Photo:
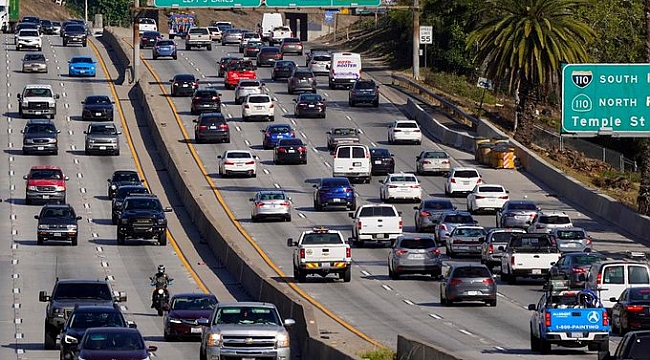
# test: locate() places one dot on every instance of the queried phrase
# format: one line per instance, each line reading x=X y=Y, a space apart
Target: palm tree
x=643 y=200
x=525 y=42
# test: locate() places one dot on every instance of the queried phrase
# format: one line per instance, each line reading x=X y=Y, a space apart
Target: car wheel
x=346 y=275
x=375 y=103
x=353 y=207
x=512 y=279
x=121 y=239
x=50 y=338
x=162 y=238
x=227 y=140
x=302 y=277
x=534 y=342
x=209 y=47
x=74 y=241
x=544 y=346
x=394 y=275
x=492 y=303
x=287 y=218
x=155 y=57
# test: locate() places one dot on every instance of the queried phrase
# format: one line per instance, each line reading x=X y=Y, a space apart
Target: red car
x=45 y=183
x=239 y=71
x=184 y=311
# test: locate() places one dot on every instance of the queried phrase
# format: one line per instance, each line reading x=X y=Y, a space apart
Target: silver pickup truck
x=198 y=37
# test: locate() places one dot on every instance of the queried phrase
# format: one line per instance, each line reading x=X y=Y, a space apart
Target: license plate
x=98 y=114
x=357 y=163
x=82 y=71
x=378 y=162
x=195 y=330
x=102 y=148
x=311 y=105
x=537 y=271
x=185 y=85
x=46 y=196
x=576 y=335
x=239 y=165
x=416 y=256
x=247 y=358
x=325 y=265
x=465 y=182
x=571 y=245
x=259 y=108
x=291 y=151
x=337 y=200
x=472 y=293
x=57 y=234
x=38 y=112
x=40 y=148
x=213 y=127
x=462 y=247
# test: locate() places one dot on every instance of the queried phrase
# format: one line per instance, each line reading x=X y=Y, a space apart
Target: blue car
x=82 y=66
x=164 y=48
x=334 y=191
x=273 y=133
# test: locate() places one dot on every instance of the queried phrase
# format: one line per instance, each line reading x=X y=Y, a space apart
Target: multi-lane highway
x=376 y=305
x=27 y=268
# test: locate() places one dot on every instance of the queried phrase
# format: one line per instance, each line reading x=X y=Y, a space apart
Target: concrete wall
x=412 y=349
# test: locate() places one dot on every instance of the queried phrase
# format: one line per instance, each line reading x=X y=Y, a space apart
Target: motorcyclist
x=160 y=280
x=588 y=299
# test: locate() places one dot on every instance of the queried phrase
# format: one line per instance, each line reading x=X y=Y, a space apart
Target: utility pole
x=86 y=11
x=416 y=39
x=136 y=41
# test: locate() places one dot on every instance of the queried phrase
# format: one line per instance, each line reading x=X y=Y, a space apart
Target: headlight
x=72 y=227
x=113 y=187
x=70 y=339
x=52 y=104
x=32 y=188
x=59 y=188
x=25 y=103
x=43 y=227
x=282 y=341
x=215 y=340
x=125 y=221
x=174 y=321
x=161 y=291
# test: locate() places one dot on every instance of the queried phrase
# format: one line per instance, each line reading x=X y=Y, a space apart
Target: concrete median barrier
x=412 y=349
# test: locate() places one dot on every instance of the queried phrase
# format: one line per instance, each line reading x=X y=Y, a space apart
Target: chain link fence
x=549 y=140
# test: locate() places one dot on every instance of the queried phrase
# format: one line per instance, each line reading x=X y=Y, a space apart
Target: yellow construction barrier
x=484 y=151
x=477 y=143
x=501 y=140
x=503 y=158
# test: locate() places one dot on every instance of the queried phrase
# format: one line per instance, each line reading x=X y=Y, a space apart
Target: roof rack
x=636 y=255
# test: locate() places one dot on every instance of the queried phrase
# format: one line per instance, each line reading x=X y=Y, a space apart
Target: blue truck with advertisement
x=568 y=318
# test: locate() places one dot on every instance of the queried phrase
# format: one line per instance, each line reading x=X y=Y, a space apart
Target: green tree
x=525 y=42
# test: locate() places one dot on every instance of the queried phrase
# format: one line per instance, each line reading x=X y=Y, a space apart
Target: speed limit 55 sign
x=426 y=34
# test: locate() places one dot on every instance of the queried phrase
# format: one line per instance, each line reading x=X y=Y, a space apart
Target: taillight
x=444 y=162
x=415 y=186
x=488 y=281
x=259 y=204
x=401 y=252
x=425 y=213
x=393 y=186
x=348 y=190
x=215 y=98
x=454 y=282
x=250 y=162
x=359 y=225
x=578 y=270
x=416 y=130
x=247 y=106
x=452 y=180
x=599 y=279
x=426 y=162
x=292 y=134
x=589 y=240
x=512 y=260
x=285 y=203
x=400 y=224
x=443 y=227
x=302 y=149
x=479 y=181
x=202 y=127
x=196 y=98
x=272 y=106
x=302 y=253
x=605 y=318
x=547 y=319
x=195 y=84
x=223 y=127
x=282 y=150
x=435 y=251
x=229 y=163
x=490 y=249
x=396 y=130
x=634 y=308
x=348 y=252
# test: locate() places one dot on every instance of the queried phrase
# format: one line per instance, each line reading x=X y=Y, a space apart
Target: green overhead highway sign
x=322 y=3
x=206 y=3
x=606 y=99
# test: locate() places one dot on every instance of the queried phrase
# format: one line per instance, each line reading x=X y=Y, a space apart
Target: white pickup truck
x=375 y=222
x=279 y=33
x=528 y=255
x=198 y=37
x=321 y=251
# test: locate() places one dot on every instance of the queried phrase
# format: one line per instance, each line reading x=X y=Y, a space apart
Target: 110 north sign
x=606 y=99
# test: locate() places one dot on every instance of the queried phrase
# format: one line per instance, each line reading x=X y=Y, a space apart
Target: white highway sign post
x=426 y=38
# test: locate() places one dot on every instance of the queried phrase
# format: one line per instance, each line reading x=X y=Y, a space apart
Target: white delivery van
x=609 y=278
x=269 y=22
x=345 y=69
x=352 y=161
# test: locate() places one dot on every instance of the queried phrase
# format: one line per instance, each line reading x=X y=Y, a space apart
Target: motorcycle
x=160 y=297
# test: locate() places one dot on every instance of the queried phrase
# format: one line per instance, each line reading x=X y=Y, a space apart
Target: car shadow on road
x=46 y=243
x=103 y=221
x=13 y=152
x=26 y=346
x=102 y=197
x=12 y=114
x=76 y=152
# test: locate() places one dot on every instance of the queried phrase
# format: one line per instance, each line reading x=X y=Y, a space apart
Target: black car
x=631 y=310
x=46 y=27
x=183 y=84
x=364 y=92
x=75 y=34
x=205 y=100
x=113 y=343
x=40 y=136
x=301 y=80
x=634 y=345
x=120 y=178
x=268 y=55
x=211 y=127
x=290 y=151
x=252 y=48
x=148 y=39
x=225 y=61
x=33 y=20
x=282 y=69
x=142 y=217
x=85 y=317
x=381 y=161
x=67 y=294
x=57 y=222
x=97 y=107
x=123 y=192
x=574 y=267
x=310 y=105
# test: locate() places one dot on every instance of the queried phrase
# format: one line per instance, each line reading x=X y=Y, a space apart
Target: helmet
x=161 y=268
x=587 y=298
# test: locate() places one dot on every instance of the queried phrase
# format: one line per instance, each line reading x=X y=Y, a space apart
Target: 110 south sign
x=606 y=98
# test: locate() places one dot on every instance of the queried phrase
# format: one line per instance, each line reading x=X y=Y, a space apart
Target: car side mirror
x=416 y=208
x=24 y=177
x=507 y=191
x=552 y=263
x=85 y=132
x=454 y=207
x=262 y=130
x=18 y=96
x=328 y=132
x=57 y=96
x=168 y=209
x=291 y=243
x=251 y=199
x=528 y=222
x=613 y=299
x=83 y=102
x=152 y=348
x=131 y=325
x=218 y=156
x=417 y=158
x=289 y=322
x=43 y=296
x=22 y=131
x=171 y=80
x=532 y=307
x=36 y=217
x=78 y=217
x=475 y=222
x=119 y=133
x=380 y=181
x=72 y=340
x=66 y=178
x=351 y=215
x=295 y=100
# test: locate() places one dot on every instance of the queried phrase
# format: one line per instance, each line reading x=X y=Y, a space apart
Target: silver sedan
x=428 y=213
x=271 y=204
x=414 y=255
x=516 y=214
x=468 y=282
x=433 y=162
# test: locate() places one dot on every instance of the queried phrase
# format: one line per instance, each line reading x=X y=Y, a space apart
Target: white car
x=147 y=24
x=401 y=131
x=271 y=204
x=462 y=180
x=486 y=197
x=547 y=221
x=247 y=87
x=432 y=162
x=237 y=162
x=400 y=187
x=29 y=38
x=258 y=106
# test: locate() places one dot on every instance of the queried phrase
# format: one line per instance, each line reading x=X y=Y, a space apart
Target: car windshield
x=96 y=100
x=143 y=204
x=303 y=74
x=46 y=174
x=193 y=303
x=165 y=43
x=311 y=97
x=270 y=50
x=491 y=189
x=403 y=178
x=259 y=99
x=147 y=21
x=285 y=64
x=585 y=259
x=322 y=58
x=640 y=349
x=205 y=93
x=458 y=219
x=336 y=182
x=289 y=142
x=471 y=272
x=501 y=236
x=184 y=78
x=435 y=155
x=57 y=213
x=249 y=84
x=344 y=131
x=531 y=242
x=121 y=341
x=408 y=125
x=102 y=130
x=28 y=33
x=150 y=34
x=571 y=234
x=40 y=129
x=41 y=92
x=126 y=177
x=271 y=196
x=279 y=129
x=438 y=205
x=34 y=57
x=377 y=211
x=238 y=155
x=247 y=315
x=95 y=291
x=562 y=301
x=522 y=206
x=74 y=28
x=365 y=85
x=417 y=243
x=465 y=174
x=212 y=120
x=291 y=40
x=379 y=152
x=554 y=219
x=77 y=60
x=321 y=239
x=123 y=192
x=85 y=320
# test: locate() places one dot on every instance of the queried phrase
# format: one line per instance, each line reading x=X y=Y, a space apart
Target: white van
x=609 y=278
x=352 y=161
x=345 y=69
x=269 y=22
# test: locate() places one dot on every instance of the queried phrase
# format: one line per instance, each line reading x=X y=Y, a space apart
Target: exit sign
x=606 y=99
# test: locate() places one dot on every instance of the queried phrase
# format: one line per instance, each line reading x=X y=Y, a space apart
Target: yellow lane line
x=237 y=224
x=129 y=140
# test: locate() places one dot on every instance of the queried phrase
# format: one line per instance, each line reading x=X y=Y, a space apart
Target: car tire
x=39 y=240
x=209 y=47
x=544 y=346
x=74 y=241
x=350 y=103
x=346 y=275
x=227 y=140
x=353 y=207
x=49 y=342
x=121 y=239
x=512 y=279
x=302 y=277
x=492 y=303
x=155 y=57
x=84 y=44
x=162 y=238
x=287 y=218
x=534 y=342
x=375 y=103
x=394 y=275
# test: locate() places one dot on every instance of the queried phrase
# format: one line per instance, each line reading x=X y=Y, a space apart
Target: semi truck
x=9 y=15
